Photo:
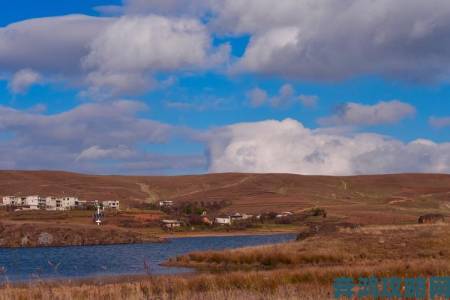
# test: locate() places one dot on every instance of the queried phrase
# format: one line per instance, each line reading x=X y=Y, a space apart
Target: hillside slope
x=399 y=197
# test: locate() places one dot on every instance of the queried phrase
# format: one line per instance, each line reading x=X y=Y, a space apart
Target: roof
x=170 y=221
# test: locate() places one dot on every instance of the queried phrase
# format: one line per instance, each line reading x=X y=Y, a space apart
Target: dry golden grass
x=300 y=283
x=359 y=246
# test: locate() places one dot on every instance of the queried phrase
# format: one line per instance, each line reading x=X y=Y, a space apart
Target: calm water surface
x=87 y=261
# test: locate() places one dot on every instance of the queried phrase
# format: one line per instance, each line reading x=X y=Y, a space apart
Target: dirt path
x=218 y=187
x=152 y=196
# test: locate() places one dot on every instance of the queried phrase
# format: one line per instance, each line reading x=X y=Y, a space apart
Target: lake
x=21 y=264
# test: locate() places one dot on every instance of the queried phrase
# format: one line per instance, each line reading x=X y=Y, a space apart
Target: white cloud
x=111 y=55
x=384 y=112
x=150 y=43
x=308 y=100
x=22 y=80
x=105 y=85
x=104 y=125
x=96 y=152
x=257 y=97
x=86 y=138
x=130 y=51
x=439 y=122
x=335 y=39
x=284 y=98
x=49 y=45
x=288 y=147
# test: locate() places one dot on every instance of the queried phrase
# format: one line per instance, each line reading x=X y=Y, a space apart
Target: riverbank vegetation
x=303 y=269
x=338 y=245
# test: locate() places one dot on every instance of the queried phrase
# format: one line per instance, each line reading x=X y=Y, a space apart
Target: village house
x=31 y=202
x=111 y=204
x=222 y=220
x=60 y=203
x=170 y=224
x=235 y=217
x=284 y=214
x=25 y=202
x=69 y=202
x=11 y=201
x=166 y=203
x=35 y=202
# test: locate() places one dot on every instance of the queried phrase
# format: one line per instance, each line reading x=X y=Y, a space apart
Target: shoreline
x=224 y=234
x=165 y=238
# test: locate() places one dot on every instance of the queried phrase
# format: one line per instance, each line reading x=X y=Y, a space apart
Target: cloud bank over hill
x=288 y=147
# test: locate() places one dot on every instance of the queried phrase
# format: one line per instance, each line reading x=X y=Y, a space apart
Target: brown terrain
x=381 y=199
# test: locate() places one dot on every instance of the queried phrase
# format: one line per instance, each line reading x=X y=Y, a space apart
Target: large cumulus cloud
x=335 y=39
x=114 y=55
x=288 y=147
x=138 y=45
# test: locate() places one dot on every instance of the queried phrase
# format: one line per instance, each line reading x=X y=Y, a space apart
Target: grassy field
x=361 y=246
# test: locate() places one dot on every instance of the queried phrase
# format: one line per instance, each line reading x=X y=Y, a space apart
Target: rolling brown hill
x=394 y=198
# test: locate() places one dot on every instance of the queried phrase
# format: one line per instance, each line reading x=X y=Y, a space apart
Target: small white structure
x=222 y=220
x=284 y=214
x=246 y=216
x=171 y=223
x=111 y=204
x=166 y=203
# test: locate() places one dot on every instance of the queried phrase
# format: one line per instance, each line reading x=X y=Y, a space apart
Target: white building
x=284 y=214
x=60 y=203
x=11 y=201
x=113 y=204
x=170 y=223
x=68 y=202
x=32 y=202
x=222 y=220
x=52 y=203
x=166 y=203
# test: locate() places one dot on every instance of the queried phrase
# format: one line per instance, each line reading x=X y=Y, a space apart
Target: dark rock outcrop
x=431 y=219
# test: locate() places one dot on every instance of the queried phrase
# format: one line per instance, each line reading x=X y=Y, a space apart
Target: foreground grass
x=305 y=283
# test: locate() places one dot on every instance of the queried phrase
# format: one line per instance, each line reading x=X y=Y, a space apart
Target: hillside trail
x=239 y=182
x=152 y=196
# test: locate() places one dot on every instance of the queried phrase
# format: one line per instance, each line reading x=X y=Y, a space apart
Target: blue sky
x=194 y=87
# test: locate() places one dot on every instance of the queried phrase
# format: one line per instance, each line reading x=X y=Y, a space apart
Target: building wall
x=223 y=220
x=111 y=204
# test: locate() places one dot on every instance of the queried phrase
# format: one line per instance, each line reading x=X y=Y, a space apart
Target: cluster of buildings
x=229 y=219
x=204 y=219
x=54 y=203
